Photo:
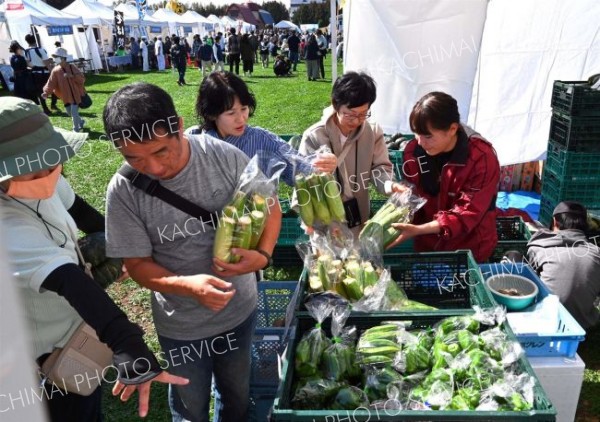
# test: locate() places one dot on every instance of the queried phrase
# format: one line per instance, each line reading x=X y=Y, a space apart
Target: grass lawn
x=285 y=106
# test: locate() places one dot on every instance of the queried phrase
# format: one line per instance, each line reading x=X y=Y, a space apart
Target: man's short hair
x=570 y=215
x=135 y=112
x=30 y=39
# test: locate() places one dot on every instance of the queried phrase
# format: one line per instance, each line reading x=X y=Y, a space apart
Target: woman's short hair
x=217 y=94
x=437 y=110
x=353 y=89
x=14 y=46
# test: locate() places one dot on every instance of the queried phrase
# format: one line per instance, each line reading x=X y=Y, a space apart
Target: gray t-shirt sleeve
x=126 y=234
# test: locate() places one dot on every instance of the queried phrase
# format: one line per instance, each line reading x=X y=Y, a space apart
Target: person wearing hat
x=567 y=263
x=159 y=52
x=41 y=216
x=23 y=80
x=144 y=50
x=67 y=82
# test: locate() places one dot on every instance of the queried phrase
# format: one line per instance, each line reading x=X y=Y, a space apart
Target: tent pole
x=333 y=23
x=87 y=41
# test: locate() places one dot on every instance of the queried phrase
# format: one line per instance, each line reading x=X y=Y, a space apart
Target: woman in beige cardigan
x=67 y=82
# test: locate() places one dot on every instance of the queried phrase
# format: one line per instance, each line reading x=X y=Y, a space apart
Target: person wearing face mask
x=67 y=82
x=41 y=216
x=457 y=171
x=362 y=157
x=225 y=104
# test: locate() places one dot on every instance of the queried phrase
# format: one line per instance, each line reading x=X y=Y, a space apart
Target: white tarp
x=418 y=46
x=523 y=46
x=527 y=45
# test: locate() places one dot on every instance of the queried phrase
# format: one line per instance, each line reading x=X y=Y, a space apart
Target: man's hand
x=125 y=391
x=251 y=261
x=326 y=162
x=210 y=291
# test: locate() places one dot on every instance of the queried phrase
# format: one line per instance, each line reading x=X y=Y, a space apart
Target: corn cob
x=258 y=225
x=242 y=236
x=224 y=239
x=333 y=197
x=305 y=206
x=239 y=203
x=318 y=200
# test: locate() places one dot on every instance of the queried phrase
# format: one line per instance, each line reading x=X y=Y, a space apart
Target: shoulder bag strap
x=152 y=187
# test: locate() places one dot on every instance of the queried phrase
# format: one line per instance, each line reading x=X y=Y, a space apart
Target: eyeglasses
x=353 y=116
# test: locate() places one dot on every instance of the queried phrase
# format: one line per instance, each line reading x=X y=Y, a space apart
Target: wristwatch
x=266 y=255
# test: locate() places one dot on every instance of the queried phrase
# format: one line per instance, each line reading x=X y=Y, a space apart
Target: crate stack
x=573 y=160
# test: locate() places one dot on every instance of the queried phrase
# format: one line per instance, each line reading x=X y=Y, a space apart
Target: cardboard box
x=527 y=175
x=516 y=179
x=506 y=177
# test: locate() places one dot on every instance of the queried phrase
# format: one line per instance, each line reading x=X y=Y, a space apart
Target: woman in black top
x=22 y=77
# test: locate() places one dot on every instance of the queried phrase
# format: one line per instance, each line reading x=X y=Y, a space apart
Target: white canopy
x=131 y=16
x=229 y=22
x=91 y=11
x=498 y=58
x=195 y=16
x=36 y=12
x=287 y=25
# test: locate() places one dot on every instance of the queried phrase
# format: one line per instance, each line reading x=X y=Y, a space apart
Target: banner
x=59 y=30
x=142 y=7
x=120 y=29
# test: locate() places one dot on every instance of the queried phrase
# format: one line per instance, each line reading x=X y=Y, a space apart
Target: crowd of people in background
x=280 y=50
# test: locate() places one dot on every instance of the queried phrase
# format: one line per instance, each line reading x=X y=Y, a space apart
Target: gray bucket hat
x=28 y=140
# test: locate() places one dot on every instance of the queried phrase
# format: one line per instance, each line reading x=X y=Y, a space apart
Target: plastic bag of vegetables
x=243 y=220
x=386 y=295
x=512 y=392
x=399 y=208
x=317 y=195
x=338 y=360
x=316 y=394
x=309 y=351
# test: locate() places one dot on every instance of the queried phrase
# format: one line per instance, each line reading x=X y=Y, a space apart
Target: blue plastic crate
x=569 y=333
x=261 y=402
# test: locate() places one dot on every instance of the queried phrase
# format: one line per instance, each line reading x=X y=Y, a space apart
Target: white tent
x=22 y=15
x=93 y=14
x=287 y=25
x=174 y=20
x=131 y=16
x=238 y=24
x=498 y=58
x=200 y=25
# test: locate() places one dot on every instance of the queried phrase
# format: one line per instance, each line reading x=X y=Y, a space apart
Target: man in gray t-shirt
x=204 y=317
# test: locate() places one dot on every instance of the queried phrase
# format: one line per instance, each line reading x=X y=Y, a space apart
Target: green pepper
x=518 y=403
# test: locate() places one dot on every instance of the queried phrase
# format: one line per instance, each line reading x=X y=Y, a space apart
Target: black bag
x=86 y=101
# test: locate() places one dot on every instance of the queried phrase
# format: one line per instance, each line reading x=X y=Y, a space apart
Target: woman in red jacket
x=457 y=171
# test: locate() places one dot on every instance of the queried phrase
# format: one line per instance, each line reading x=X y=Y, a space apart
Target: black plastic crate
x=571 y=165
x=513 y=235
x=445 y=280
x=575 y=98
x=557 y=189
x=286 y=256
x=282 y=411
x=581 y=134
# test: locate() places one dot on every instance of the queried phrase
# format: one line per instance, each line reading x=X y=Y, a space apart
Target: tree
x=208 y=9
x=312 y=13
x=277 y=10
